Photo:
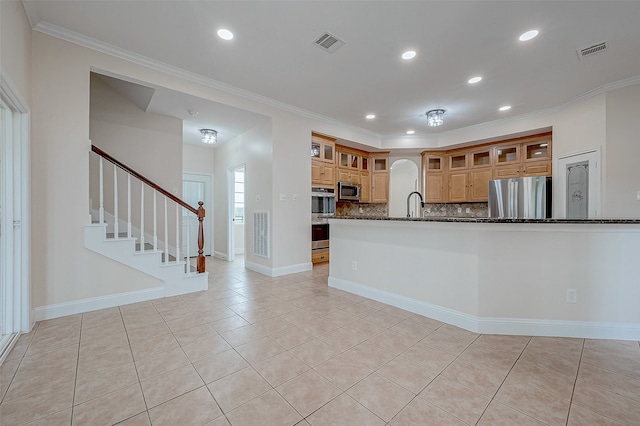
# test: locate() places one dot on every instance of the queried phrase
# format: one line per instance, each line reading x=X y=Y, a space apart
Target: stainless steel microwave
x=348 y=191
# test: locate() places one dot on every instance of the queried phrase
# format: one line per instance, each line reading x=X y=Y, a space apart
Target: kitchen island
x=547 y=277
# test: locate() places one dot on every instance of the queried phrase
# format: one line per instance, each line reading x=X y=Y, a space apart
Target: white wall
x=623 y=152
x=198 y=159
x=496 y=278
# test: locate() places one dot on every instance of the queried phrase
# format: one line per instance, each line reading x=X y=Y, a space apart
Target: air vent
x=592 y=50
x=328 y=42
x=261 y=233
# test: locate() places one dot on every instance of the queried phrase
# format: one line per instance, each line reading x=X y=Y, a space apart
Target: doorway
x=577 y=193
x=197 y=187
x=236 y=243
x=403 y=180
x=14 y=223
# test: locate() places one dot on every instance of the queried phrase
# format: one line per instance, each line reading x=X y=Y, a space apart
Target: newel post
x=201 y=213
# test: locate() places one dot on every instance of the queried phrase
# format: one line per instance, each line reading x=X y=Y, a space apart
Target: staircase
x=166 y=264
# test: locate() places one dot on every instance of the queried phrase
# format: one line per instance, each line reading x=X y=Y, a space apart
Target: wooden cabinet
x=322 y=174
x=319 y=256
x=365 y=187
x=323 y=148
x=462 y=175
x=379 y=187
x=379 y=163
x=433 y=168
x=349 y=160
x=479 y=184
x=350 y=176
x=458 y=186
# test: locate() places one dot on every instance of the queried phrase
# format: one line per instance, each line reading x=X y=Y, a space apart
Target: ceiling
x=273 y=55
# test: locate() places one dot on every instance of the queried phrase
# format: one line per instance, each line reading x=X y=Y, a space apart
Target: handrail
x=137 y=175
x=199 y=211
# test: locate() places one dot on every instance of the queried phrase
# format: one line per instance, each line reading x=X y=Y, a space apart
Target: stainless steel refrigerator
x=523 y=198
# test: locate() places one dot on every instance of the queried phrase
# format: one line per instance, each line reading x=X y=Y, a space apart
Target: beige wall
x=198 y=159
x=15 y=47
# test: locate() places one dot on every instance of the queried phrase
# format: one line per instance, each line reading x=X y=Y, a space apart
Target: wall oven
x=320 y=234
x=323 y=202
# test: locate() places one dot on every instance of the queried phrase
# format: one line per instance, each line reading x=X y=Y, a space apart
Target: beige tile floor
x=254 y=350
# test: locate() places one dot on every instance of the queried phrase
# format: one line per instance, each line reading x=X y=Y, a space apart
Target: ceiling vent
x=328 y=42
x=592 y=50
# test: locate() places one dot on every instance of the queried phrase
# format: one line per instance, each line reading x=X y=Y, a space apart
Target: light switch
x=638 y=196
x=294 y=197
x=257 y=198
x=283 y=197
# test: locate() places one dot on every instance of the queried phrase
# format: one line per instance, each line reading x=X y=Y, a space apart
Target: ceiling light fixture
x=370 y=116
x=505 y=108
x=410 y=132
x=434 y=117
x=528 y=35
x=225 y=34
x=209 y=136
x=474 y=80
x=409 y=54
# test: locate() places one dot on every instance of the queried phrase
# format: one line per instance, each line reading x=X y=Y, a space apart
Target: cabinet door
x=354 y=162
x=328 y=152
x=536 y=151
x=458 y=161
x=328 y=175
x=343 y=160
x=481 y=158
x=365 y=187
x=507 y=154
x=458 y=186
x=348 y=176
x=503 y=172
x=479 y=184
x=379 y=187
x=434 y=188
x=537 y=169
x=316 y=172
x=380 y=164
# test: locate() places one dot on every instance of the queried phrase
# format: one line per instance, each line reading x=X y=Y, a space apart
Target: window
x=238 y=215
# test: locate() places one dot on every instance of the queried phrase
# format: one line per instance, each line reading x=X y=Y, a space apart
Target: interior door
x=196 y=188
x=577 y=188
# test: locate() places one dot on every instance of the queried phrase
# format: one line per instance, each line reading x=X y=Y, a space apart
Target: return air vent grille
x=261 y=233
x=328 y=42
x=592 y=50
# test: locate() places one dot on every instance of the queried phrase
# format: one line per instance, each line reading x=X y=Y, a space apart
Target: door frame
x=208 y=233
x=15 y=280
x=595 y=182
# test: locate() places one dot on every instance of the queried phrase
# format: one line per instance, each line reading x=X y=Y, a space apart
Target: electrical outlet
x=354 y=265
x=468 y=210
x=283 y=197
x=459 y=209
x=638 y=196
x=257 y=198
x=294 y=197
x=572 y=295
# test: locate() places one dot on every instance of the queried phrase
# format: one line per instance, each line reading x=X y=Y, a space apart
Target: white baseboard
x=220 y=255
x=95 y=303
x=279 y=271
x=239 y=251
x=486 y=325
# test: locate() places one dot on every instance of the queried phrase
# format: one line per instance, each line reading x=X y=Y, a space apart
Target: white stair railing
x=168 y=198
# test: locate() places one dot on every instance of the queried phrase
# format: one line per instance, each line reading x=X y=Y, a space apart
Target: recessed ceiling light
x=410 y=132
x=474 y=80
x=505 y=108
x=225 y=34
x=528 y=35
x=370 y=116
x=409 y=54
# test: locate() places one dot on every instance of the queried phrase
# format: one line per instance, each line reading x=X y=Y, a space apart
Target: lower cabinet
x=319 y=256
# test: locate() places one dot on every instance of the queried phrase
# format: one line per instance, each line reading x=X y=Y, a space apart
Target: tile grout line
x=575 y=381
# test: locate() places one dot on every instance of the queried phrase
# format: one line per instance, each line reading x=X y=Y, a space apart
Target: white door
x=196 y=188
x=236 y=228
x=577 y=187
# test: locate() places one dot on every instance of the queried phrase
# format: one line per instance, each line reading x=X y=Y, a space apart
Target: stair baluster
x=115 y=202
x=142 y=248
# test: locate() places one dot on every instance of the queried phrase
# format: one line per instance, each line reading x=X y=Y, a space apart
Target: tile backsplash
x=456 y=210
x=345 y=208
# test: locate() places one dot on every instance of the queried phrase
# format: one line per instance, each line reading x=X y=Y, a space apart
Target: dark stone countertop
x=603 y=221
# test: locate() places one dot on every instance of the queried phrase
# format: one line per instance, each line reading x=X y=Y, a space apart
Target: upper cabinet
x=323 y=154
x=323 y=148
x=379 y=176
x=462 y=175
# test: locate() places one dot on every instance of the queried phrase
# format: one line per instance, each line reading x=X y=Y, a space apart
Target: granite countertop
x=494 y=220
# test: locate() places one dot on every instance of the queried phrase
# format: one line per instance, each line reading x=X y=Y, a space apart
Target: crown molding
x=109 y=49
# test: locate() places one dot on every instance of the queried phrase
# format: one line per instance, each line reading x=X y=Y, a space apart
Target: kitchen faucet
x=409 y=198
